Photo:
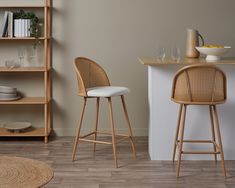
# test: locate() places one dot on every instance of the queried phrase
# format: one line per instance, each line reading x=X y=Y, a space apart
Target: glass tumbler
x=175 y=54
x=161 y=54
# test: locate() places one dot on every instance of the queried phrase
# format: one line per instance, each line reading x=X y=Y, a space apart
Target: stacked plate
x=17 y=126
x=8 y=93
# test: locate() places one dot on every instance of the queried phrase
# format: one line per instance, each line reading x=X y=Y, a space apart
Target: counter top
x=186 y=61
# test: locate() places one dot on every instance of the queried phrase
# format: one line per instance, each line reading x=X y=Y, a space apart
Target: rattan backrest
x=198 y=84
x=89 y=74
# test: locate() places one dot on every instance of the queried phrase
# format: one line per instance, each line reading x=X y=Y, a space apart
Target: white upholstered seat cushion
x=107 y=91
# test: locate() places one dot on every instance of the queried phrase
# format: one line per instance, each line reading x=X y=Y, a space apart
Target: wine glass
x=10 y=64
x=161 y=54
x=31 y=53
x=175 y=54
x=21 y=54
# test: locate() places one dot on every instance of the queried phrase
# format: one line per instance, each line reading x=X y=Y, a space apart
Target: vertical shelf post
x=47 y=59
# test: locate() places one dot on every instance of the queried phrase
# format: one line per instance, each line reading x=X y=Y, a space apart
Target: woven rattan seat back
x=199 y=84
x=89 y=74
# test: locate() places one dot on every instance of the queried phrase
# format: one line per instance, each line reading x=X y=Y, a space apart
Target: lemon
x=213 y=46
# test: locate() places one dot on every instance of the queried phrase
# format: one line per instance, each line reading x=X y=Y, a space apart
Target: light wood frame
x=85 y=82
x=179 y=135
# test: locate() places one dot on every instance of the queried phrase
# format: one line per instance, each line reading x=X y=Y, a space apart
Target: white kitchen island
x=163 y=112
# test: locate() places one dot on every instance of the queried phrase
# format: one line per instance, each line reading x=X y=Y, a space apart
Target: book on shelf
x=3 y=29
x=22 y=27
x=19 y=25
x=10 y=24
x=16 y=32
x=28 y=27
x=10 y=27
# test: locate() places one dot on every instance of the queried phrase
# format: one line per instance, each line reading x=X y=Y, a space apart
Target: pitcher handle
x=201 y=39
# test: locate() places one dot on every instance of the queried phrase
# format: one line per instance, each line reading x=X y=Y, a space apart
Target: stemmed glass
x=21 y=54
x=175 y=54
x=31 y=54
x=161 y=54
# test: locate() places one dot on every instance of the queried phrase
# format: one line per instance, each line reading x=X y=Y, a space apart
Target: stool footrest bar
x=200 y=152
x=89 y=134
x=197 y=141
x=108 y=133
x=94 y=141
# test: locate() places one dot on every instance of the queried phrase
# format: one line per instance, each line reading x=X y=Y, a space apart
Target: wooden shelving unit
x=45 y=70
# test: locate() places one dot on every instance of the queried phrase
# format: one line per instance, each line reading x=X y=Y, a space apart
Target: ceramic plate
x=17 y=97
x=17 y=126
x=6 y=89
x=8 y=95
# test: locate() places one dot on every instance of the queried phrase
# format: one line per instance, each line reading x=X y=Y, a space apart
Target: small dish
x=213 y=54
x=6 y=89
x=8 y=95
x=17 y=126
x=4 y=98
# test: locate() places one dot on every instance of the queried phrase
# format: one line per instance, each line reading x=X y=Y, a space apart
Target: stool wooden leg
x=113 y=131
x=129 y=126
x=213 y=131
x=96 y=121
x=177 y=132
x=219 y=139
x=181 y=140
x=79 y=129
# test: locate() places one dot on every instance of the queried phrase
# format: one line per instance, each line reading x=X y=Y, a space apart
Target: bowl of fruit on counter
x=213 y=52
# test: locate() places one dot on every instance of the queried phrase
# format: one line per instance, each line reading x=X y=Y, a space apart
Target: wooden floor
x=97 y=171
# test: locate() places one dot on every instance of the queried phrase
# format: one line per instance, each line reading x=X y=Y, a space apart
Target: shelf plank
x=30 y=133
x=23 y=6
x=24 y=69
x=26 y=100
x=24 y=38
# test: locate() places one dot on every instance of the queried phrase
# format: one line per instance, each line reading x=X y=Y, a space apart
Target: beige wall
x=114 y=33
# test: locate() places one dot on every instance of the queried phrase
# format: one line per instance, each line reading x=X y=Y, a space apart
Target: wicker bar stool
x=199 y=85
x=93 y=82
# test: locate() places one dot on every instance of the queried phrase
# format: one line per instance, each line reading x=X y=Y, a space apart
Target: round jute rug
x=18 y=172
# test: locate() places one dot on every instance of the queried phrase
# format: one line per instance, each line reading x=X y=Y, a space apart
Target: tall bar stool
x=199 y=85
x=93 y=82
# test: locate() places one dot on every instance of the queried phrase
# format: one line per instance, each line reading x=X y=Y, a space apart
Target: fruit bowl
x=213 y=53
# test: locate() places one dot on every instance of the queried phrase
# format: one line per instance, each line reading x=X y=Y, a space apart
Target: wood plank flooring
x=97 y=170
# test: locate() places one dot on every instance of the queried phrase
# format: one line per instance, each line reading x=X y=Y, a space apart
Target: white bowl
x=213 y=54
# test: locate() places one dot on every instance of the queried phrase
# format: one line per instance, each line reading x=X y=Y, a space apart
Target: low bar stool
x=93 y=82
x=199 y=85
